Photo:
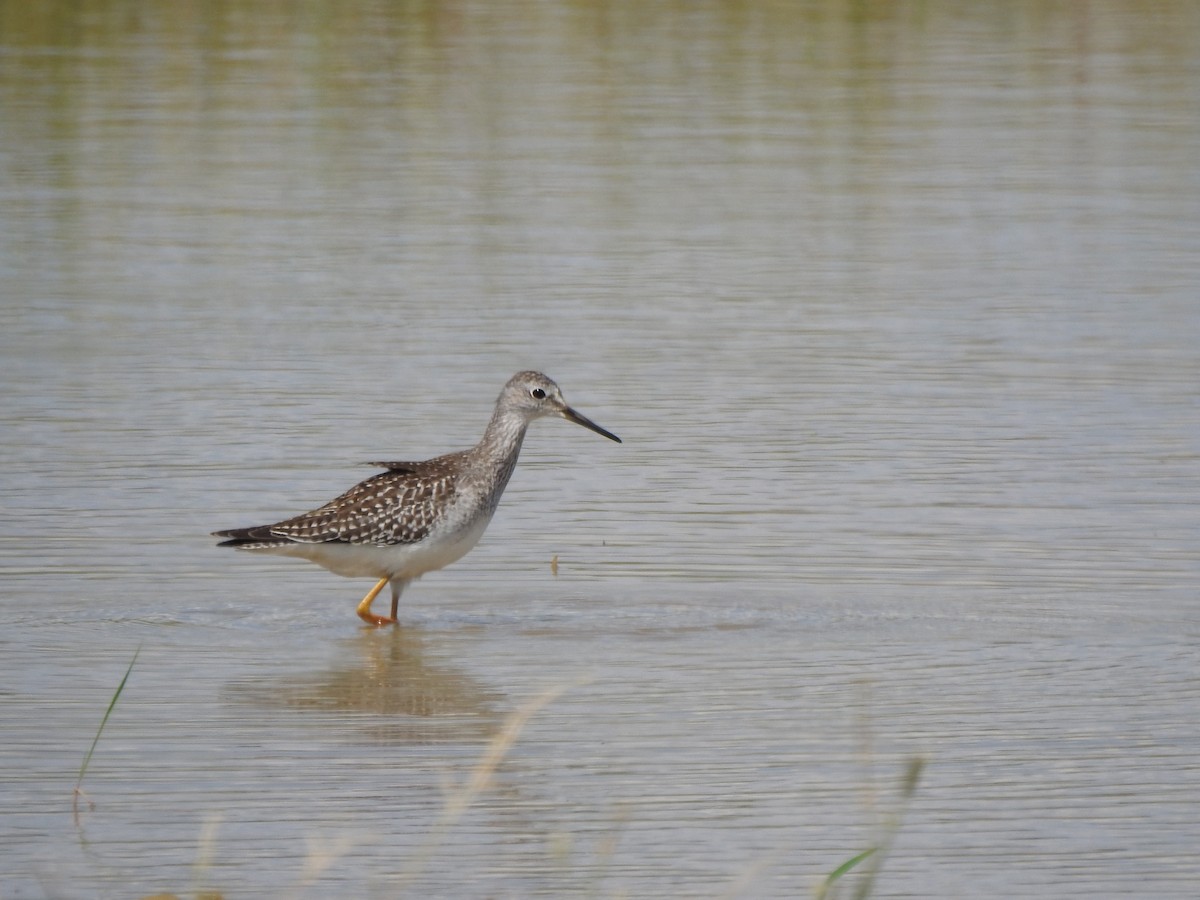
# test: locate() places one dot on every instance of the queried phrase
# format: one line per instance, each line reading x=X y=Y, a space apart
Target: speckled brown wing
x=399 y=506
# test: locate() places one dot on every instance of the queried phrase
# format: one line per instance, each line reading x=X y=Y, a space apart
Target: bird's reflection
x=385 y=674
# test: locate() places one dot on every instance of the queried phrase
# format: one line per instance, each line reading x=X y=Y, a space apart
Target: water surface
x=894 y=307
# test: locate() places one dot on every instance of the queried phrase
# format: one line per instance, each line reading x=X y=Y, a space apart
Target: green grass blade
x=908 y=787
x=108 y=712
x=841 y=870
x=850 y=864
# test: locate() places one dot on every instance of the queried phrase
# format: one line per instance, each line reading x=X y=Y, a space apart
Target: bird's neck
x=501 y=442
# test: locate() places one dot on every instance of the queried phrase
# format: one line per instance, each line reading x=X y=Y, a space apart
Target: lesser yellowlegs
x=416 y=516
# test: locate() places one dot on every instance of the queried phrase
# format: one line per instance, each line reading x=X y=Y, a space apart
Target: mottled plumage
x=416 y=516
x=399 y=506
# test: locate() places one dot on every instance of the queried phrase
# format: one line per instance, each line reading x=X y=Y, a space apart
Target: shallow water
x=895 y=309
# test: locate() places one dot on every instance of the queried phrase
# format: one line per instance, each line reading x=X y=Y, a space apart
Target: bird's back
x=402 y=505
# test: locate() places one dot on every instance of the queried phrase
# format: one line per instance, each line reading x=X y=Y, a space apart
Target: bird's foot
x=364 y=608
x=376 y=621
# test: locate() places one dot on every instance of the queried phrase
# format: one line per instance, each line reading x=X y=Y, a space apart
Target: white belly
x=404 y=561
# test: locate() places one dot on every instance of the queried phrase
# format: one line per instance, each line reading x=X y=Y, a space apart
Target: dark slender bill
x=571 y=416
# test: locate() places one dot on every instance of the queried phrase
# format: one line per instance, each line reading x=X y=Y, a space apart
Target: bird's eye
x=537 y=394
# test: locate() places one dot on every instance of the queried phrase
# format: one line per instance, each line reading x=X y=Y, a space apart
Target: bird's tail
x=248 y=538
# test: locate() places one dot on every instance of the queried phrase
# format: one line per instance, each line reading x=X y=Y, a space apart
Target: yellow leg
x=364 y=608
